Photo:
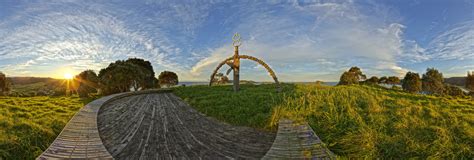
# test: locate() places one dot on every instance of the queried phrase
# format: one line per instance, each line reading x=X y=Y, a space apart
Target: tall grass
x=354 y=121
x=29 y=125
x=373 y=122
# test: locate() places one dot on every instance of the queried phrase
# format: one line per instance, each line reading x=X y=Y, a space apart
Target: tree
x=121 y=76
x=4 y=84
x=149 y=79
x=383 y=79
x=433 y=81
x=88 y=83
x=412 y=82
x=393 y=80
x=167 y=79
x=453 y=90
x=470 y=81
x=353 y=76
x=373 y=80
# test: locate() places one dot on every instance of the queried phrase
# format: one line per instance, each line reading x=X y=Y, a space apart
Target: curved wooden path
x=80 y=137
x=161 y=125
x=157 y=125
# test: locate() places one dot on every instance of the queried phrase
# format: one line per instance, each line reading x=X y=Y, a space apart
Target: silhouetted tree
x=88 y=83
x=372 y=80
x=4 y=84
x=433 y=81
x=393 y=80
x=353 y=76
x=150 y=79
x=167 y=79
x=470 y=81
x=412 y=82
x=383 y=79
x=120 y=76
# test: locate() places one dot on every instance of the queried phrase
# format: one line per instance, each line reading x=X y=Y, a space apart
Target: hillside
x=458 y=81
x=29 y=125
x=354 y=121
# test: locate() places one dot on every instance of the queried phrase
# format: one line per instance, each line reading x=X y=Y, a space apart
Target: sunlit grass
x=29 y=125
x=354 y=121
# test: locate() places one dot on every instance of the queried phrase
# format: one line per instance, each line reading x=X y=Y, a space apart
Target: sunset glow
x=68 y=76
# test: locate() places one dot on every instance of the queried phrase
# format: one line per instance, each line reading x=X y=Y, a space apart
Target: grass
x=29 y=125
x=354 y=121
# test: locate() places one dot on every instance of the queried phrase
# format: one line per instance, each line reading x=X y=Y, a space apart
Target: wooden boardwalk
x=80 y=137
x=297 y=141
x=159 y=125
x=162 y=125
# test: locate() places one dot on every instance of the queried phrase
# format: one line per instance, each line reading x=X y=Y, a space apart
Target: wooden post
x=236 y=69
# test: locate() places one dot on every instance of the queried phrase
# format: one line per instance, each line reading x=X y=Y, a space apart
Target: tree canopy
x=121 y=76
x=88 y=82
x=412 y=82
x=432 y=81
x=373 y=80
x=167 y=79
x=470 y=81
x=353 y=76
x=4 y=84
x=393 y=80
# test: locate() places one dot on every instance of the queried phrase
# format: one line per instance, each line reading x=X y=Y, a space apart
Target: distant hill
x=458 y=81
x=38 y=86
x=32 y=80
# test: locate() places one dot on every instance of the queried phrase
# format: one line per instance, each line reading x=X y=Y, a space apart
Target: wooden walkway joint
x=297 y=141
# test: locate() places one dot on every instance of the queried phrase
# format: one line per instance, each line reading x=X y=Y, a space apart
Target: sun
x=68 y=76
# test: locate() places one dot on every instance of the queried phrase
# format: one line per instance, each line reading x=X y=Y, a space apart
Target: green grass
x=29 y=125
x=354 y=121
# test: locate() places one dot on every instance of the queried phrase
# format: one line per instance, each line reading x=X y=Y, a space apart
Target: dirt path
x=161 y=125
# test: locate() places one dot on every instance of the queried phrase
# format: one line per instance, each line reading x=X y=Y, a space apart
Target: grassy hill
x=35 y=86
x=29 y=125
x=354 y=121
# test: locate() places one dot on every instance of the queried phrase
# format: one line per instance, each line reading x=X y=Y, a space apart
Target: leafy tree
x=4 y=84
x=470 y=81
x=412 y=82
x=393 y=80
x=88 y=83
x=120 y=76
x=373 y=80
x=453 y=91
x=167 y=79
x=433 y=81
x=150 y=79
x=353 y=76
x=383 y=79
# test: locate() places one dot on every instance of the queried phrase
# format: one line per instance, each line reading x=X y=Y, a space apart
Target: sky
x=305 y=40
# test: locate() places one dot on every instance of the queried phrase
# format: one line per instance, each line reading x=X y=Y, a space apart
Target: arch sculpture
x=234 y=64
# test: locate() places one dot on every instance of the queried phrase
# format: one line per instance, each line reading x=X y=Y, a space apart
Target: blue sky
x=301 y=40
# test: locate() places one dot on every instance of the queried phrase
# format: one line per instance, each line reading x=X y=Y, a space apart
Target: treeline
x=431 y=82
x=119 y=76
x=122 y=76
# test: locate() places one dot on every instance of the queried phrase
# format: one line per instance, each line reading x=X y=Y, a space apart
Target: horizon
x=302 y=41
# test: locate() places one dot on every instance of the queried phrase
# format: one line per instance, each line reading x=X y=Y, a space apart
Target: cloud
x=454 y=44
x=80 y=37
x=302 y=34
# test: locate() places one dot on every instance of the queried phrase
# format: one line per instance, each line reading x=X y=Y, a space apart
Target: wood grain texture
x=297 y=141
x=162 y=126
x=80 y=137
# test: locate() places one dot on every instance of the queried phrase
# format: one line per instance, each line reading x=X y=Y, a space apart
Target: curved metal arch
x=269 y=70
